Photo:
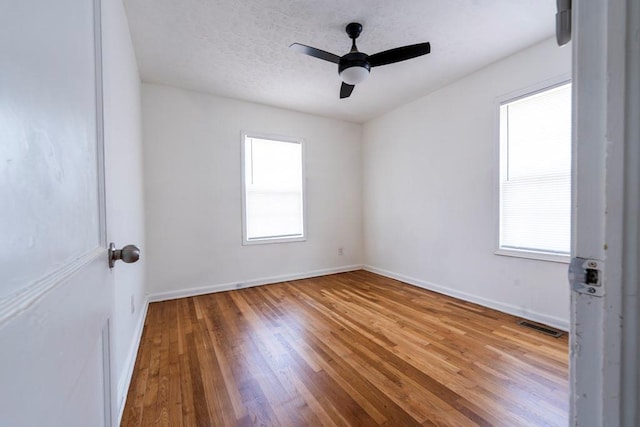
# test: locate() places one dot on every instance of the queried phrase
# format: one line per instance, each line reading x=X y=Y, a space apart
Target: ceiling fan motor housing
x=354 y=67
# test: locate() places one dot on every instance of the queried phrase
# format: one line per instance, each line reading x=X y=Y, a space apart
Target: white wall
x=193 y=193
x=430 y=193
x=125 y=207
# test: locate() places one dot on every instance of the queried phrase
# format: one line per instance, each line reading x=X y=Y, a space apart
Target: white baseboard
x=125 y=379
x=546 y=319
x=221 y=287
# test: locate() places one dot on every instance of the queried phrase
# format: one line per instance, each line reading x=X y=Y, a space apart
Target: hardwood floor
x=348 y=349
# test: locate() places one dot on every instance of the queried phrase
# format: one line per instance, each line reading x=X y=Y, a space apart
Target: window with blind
x=535 y=174
x=273 y=190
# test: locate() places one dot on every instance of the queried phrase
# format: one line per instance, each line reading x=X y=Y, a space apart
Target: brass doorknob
x=128 y=254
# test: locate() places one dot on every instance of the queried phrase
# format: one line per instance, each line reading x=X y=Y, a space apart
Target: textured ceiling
x=239 y=49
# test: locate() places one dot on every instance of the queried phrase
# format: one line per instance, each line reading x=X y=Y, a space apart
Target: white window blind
x=535 y=172
x=273 y=190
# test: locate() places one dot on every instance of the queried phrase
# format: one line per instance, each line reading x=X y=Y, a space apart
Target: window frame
x=501 y=159
x=277 y=138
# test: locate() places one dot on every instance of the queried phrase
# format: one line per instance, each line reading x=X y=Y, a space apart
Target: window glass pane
x=273 y=189
x=276 y=165
x=535 y=187
x=539 y=133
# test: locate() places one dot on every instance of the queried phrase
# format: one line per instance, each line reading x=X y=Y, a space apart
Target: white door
x=604 y=319
x=56 y=295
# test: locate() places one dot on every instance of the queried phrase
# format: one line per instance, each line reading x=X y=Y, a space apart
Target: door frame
x=606 y=198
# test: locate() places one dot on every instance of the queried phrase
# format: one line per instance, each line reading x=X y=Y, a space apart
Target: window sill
x=538 y=256
x=267 y=241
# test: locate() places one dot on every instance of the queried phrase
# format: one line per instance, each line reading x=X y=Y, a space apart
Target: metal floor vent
x=541 y=328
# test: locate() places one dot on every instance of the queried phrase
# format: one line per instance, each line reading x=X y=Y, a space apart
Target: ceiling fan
x=354 y=67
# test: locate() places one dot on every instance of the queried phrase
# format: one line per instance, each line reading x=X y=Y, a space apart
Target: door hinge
x=585 y=276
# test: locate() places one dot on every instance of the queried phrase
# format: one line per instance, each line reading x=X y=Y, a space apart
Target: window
x=535 y=174
x=273 y=190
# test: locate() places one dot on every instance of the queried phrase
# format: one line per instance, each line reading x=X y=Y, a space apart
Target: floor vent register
x=541 y=328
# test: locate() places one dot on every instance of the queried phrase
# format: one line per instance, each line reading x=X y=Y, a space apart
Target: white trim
x=221 y=287
x=13 y=305
x=533 y=89
x=538 y=256
x=546 y=319
x=270 y=240
x=129 y=364
x=278 y=138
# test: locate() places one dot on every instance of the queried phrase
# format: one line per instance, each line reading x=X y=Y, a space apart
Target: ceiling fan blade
x=345 y=90
x=312 y=51
x=399 y=54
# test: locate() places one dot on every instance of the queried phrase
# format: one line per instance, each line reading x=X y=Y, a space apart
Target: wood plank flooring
x=351 y=349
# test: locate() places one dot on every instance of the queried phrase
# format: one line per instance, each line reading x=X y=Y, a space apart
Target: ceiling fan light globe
x=354 y=75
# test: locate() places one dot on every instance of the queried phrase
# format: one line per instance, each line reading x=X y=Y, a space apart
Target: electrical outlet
x=341 y=251
x=133 y=305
